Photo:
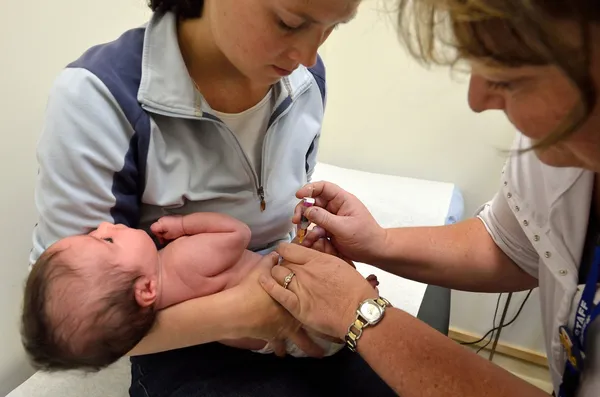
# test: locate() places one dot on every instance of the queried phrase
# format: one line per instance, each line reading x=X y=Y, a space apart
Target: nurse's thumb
x=268 y=261
x=324 y=219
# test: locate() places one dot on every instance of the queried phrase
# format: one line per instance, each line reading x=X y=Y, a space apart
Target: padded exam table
x=394 y=201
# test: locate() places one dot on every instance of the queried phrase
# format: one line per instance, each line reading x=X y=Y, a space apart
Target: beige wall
x=388 y=114
x=35 y=45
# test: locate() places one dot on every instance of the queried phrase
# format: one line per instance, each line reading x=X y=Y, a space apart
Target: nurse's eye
x=108 y=239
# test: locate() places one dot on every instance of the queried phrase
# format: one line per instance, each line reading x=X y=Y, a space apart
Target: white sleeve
x=508 y=235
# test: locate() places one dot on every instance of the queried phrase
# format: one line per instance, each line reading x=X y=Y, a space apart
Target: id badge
x=573 y=353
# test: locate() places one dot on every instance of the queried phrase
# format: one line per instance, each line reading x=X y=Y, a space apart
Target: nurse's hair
x=184 y=9
x=507 y=33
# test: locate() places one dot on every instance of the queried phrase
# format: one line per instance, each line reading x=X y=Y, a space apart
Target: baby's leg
x=330 y=346
x=246 y=343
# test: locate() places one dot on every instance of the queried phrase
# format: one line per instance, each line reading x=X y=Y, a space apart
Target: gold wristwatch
x=369 y=312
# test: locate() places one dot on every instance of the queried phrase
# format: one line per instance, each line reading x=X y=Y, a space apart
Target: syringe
x=307 y=202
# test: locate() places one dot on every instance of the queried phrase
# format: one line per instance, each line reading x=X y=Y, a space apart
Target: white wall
x=35 y=44
x=388 y=114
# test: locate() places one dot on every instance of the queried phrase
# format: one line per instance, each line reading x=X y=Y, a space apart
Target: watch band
x=355 y=330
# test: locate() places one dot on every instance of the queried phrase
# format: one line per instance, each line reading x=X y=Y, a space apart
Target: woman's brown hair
x=509 y=33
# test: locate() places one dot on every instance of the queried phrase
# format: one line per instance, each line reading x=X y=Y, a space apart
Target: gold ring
x=288 y=279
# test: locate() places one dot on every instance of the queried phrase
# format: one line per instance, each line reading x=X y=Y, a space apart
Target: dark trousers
x=213 y=370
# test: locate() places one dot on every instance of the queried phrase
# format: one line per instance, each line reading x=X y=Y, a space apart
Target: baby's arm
x=172 y=227
x=208 y=248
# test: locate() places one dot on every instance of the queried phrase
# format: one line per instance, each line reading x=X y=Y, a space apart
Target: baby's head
x=90 y=299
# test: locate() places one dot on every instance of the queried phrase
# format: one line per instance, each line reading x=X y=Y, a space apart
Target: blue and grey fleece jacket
x=127 y=139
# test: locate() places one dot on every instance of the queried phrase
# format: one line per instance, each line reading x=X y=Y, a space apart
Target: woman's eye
x=287 y=27
x=110 y=240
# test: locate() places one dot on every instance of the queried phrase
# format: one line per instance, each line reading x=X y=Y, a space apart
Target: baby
x=90 y=299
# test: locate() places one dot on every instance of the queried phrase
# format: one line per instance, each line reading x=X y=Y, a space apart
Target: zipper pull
x=263 y=204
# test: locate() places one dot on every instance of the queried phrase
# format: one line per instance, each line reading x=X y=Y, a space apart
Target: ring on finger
x=288 y=279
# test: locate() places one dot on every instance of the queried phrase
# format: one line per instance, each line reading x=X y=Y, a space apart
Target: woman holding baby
x=214 y=106
x=539 y=63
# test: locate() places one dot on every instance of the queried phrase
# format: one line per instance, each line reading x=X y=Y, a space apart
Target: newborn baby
x=90 y=299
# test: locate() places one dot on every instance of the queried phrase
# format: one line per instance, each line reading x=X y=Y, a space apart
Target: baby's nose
x=104 y=226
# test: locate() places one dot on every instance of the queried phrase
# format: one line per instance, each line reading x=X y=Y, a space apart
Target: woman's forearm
x=197 y=321
x=416 y=360
x=461 y=256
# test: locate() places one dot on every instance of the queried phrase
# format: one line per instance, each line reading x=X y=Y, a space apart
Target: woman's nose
x=305 y=50
x=303 y=57
x=482 y=97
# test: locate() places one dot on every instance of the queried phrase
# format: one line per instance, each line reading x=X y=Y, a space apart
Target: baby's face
x=131 y=249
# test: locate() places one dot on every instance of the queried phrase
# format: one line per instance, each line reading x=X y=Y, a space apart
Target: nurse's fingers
x=326 y=194
x=324 y=190
x=297 y=254
x=312 y=237
x=300 y=207
x=283 y=296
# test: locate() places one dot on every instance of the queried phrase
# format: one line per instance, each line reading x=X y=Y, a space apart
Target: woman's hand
x=345 y=219
x=325 y=292
x=269 y=321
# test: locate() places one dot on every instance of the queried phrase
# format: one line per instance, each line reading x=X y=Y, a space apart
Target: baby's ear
x=145 y=291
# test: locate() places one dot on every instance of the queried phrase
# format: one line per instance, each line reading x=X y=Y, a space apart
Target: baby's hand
x=168 y=228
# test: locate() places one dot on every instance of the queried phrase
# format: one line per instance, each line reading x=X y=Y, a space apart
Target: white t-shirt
x=250 y=127
x=539 y=218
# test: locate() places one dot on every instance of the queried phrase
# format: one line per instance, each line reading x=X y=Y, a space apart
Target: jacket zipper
x=260 y=190
x=257 y=183
x=261 y=194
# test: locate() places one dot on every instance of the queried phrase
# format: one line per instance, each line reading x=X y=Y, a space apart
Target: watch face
x=370 y=311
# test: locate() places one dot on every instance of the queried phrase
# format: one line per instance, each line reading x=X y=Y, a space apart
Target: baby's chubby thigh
x=330 y=348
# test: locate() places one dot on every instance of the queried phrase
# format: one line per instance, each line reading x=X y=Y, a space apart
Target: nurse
x=538 y=62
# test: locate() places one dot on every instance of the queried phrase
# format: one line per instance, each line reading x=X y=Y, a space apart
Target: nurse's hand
x=267 y=320
x=343 y=218
x=324 y=293
x=325 y=246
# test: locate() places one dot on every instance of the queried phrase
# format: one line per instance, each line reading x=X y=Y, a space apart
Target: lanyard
x=574 y=342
